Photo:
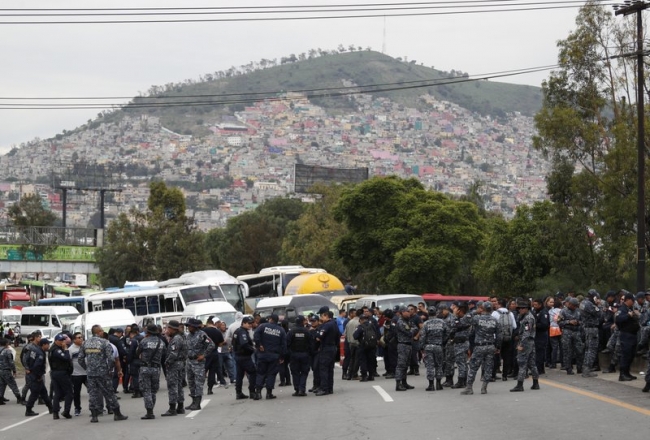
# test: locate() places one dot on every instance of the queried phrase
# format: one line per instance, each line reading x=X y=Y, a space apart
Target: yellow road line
x=595 y=396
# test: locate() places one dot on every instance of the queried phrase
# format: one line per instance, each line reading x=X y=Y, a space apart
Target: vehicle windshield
x=227 y=317
x=197 y=294
x=386 y=304
x=233 y=293
x=67 y=320
x=18 y=303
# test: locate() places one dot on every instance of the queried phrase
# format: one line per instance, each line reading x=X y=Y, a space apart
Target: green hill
x=204 y=99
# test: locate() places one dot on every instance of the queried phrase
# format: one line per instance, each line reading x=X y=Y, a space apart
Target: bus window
x=107 y=305
x=129 y=303
x=118 y=304
x=141 y=306
x=152 y=305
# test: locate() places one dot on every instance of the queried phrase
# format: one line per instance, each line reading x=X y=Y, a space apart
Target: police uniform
x=243 y=347
x=487 y=336
x=298 y=342
x=526 y=348
x=198 y=345
x=96 y=356
x=271 y=343
x=61 y=375
x=134 y=363
x=151 y=350
x=433 y=337
x=328 y=336
x=315 y=357
x=628 y=325
x=175 y=367
x=461 y=328
x=571 y=339
x=35 y=364
x=366 y=354
x=405 y=333
x=591 y=316
x=7 y=373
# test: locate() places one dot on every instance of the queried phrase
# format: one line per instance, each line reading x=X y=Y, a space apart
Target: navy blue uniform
x=328 y=336
x=271 y=342
x=628 y=326
x=243 y=347
x=35 y=364
x=299 y=343
x=134 y=363
x=61 y=372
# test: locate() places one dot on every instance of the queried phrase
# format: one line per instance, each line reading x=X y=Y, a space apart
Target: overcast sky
x=123 y=59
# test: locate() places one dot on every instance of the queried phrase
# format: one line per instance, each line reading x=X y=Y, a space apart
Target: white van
x=160 y=319
x=203 y=310
x=385 y=302
x=10 y=317
x=106 y=318
x=50 y=320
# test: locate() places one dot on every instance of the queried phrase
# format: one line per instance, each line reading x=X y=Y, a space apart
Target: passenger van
x=345 y=302
x=288 y=307
x=10 y=317
x=106 y=318
x=385 y=302
x=203 y=310
x=49 y=320
x=160 y=319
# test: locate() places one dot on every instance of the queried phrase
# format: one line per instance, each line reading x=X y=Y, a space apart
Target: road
x=566 y=407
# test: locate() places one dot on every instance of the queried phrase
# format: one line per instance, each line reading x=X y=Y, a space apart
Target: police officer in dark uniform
x=366 y=354
x=175 y=368
x=243 y=347
x=134 y=361
x=61 y=375
x=627 y=321
x=298 y=341
x=591 y=317
x=35 y=370
x=405 y=333
x=271 y=343
x=328 y=336
x=116 y=337
x=315 y=353
x=151 y=350
x=569 y=322
x=542 y=324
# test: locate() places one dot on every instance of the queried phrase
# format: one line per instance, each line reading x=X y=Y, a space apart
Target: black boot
x=406 y=385
x=66 y=414
x=55 y=416
x=535 y=384
x=462 y=383
x=170 y=412
x=484 y=388
x=610 y=369
x=269 y=394
x=195 y=405
x=93 y=417
x=646 y=388
x=449 y=383
x=399 y=386
x=439 y=385
x=519 y=387
x=258 y=394
x=210 y=390
x=19 y=399
x=118 y=415
x=416 y=370
x=149 y=415
x=430 y=387
x=240 y=395
x=179 y=408
x=29 y=412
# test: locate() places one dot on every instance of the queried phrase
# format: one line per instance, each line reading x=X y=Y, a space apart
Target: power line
x=380 y=14
x=323 y=94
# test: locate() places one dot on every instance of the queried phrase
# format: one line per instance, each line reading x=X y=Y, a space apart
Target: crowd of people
x=515 y=338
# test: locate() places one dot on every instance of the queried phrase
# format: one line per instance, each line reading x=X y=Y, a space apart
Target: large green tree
x=587 y=126
x=402 y=238
x=28 y=213
x=159 y=243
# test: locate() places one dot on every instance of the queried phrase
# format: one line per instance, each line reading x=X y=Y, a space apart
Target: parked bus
x=78 y=302
x=210 y=285
x=13 y=296
x=271 y=282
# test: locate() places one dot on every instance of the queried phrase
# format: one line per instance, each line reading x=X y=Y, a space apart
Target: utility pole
x=628 y=9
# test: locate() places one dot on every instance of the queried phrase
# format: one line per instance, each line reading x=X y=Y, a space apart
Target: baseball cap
x=247 y=320
x=44 y=341
x=60 y=337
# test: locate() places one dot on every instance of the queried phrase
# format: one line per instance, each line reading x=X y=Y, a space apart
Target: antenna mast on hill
x=383 y=44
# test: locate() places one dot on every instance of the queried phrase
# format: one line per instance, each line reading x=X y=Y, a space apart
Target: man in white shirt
x=506 y=319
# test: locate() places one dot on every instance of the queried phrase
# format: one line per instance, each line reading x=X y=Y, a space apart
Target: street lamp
x=637 y=8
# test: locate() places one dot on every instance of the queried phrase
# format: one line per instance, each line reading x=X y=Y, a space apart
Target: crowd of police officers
x=519 y=336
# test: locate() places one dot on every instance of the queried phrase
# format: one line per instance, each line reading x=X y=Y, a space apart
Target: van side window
x=36 y=320
x=55 y=322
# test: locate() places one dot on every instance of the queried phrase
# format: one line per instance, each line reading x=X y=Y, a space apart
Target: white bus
x=210 y=285
x=271 y=282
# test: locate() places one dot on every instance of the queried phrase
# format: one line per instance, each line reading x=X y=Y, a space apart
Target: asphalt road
x=566 y=407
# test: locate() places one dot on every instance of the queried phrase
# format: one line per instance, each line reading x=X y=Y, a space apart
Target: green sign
x=62 y=253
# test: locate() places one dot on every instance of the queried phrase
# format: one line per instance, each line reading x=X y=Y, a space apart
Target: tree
x=30 y=212
x=403 y=238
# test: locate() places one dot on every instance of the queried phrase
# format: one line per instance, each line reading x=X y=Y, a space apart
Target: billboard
x=305 y=176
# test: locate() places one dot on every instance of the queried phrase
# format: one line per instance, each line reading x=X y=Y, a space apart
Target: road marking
x=24 y=421
x=384 y=395
x=196 y=413
x=595 y=396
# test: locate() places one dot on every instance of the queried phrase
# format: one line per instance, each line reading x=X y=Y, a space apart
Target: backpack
x=506 y=327
x=369 y=336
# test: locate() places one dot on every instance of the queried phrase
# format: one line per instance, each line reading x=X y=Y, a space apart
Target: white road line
x=196 y=413
x=384 y=395
x=24 y=421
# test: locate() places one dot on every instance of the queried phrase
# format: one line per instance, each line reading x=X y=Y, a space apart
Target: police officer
x=116 y=337
x=487 y=337
x=32 y=342
x=448 y=364
x=61 y=375
x=134 y=361
x=627 y=321
x=35 y=370
x=461 y=328
x=271 y=343
x=243 y=347
x=298 y=342
x=7 y=371
x=175 y=367
x=405 y=333
x=96 y=356
x=433 y=337
x=591 y=316
x=526 y=347
x=151 y=351
x=542 y=325
x=314 y=325
x=199 y=345
x=569 y=322
x=328 y=337
x=366 y=352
